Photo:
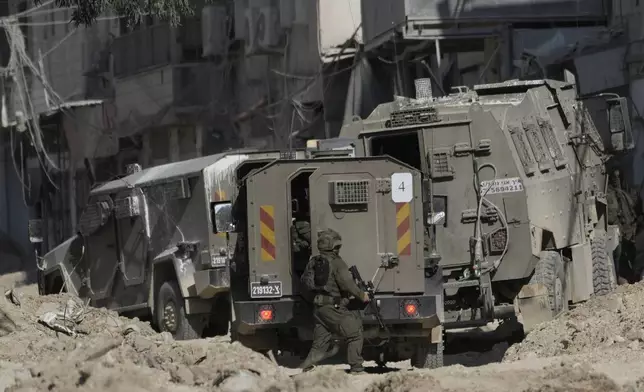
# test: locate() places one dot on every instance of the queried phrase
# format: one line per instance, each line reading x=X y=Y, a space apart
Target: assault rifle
x=369 y=288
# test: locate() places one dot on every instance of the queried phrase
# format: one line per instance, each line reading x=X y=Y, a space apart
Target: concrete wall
x=140 y=96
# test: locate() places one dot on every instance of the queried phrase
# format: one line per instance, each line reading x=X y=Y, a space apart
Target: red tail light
x=266 y=314
x=409 y=308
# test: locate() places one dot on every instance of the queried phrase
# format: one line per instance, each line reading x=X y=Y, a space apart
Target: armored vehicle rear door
x=96 y=224
x=376 y=206
x=450 y=153
x=374 y=203
x=132 y=231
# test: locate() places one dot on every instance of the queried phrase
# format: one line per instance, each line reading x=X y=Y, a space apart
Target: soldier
x=301 y=237
x=621 y=212
x=327 y=276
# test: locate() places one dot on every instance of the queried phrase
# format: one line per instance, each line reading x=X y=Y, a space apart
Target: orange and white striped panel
x=267 y=232
x=403 y=229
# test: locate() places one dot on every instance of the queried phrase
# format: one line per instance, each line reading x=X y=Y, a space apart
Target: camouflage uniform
x=331 y=315
x=621 y=212
x=301 y=247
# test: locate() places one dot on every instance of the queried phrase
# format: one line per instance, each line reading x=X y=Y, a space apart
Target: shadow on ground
x=17 y=269
x=467 y=348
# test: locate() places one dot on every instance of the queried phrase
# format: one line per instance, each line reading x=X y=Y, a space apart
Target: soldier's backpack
x=315 y=276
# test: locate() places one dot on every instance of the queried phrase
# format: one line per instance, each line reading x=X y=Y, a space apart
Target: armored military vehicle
x=184 y=241
x=516 y=175
x=146 y=244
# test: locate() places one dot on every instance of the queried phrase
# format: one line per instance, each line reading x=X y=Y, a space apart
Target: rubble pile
x=611 y=323
x=58 y=343
x=567 y=376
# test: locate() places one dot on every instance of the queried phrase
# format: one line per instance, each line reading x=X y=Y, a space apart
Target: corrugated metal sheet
x=57 y=109
x=74 y=104
x=548 y=42
x=592 y=79
x=153 y=174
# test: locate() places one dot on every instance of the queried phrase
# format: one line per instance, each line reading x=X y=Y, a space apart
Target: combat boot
x=356 y=370
x=314 y=357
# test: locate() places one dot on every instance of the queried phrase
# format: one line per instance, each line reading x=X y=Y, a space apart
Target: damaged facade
x=110 y=95
x=268 y=74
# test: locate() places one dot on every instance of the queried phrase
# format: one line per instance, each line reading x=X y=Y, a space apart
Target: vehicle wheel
x=171 y=315
x=604 y=278
x=428 y=356
x=550 y=272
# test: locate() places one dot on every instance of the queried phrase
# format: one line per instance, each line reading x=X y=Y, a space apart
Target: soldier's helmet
x=328 y=240
x=615 y=177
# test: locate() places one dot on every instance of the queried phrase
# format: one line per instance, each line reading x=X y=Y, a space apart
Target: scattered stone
x=182 y=375
x=575 y=327
x=131 y=328
x=243 y=381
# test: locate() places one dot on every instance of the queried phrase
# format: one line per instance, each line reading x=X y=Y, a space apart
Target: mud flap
x=533 y=305
x=613 y=239
x=437 y=335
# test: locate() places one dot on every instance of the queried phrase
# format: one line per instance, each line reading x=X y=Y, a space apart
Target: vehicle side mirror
x=619 y=124
x=222 y=221
x=295 y=206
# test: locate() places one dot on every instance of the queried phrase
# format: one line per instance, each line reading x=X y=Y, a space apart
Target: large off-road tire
x=428 y=356
x=171 y=315
x=604 y=277
x=550 y=272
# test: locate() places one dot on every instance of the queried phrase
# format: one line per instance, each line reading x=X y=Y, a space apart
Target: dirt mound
x=611 y=323
x=564 y=376
x=57 y=343
x=106 y=352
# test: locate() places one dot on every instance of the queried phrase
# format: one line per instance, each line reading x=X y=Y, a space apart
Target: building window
x=122 y=26
x=190 y=38
x=52 y=19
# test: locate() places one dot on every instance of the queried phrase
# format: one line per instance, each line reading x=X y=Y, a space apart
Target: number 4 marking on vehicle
x=402 y=187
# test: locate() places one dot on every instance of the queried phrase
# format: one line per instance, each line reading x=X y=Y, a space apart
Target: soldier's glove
x=365 y=297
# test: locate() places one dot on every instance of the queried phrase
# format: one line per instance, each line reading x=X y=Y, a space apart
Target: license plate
x=503 y=185
x=269 y=290
x=218 y=261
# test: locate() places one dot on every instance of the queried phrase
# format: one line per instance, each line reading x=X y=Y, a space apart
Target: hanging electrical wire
x=19 y=60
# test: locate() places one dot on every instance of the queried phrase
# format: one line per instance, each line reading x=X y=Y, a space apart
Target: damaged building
x=255 y=73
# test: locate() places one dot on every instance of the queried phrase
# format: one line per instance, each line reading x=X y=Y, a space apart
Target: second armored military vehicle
x=516 y=173
x=199 y=243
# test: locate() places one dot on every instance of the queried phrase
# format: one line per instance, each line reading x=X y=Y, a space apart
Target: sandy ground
x=599 y=346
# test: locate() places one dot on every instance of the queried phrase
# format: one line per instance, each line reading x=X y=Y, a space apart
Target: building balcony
x=141 y=50
x=445 y=18
x=186 y=88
